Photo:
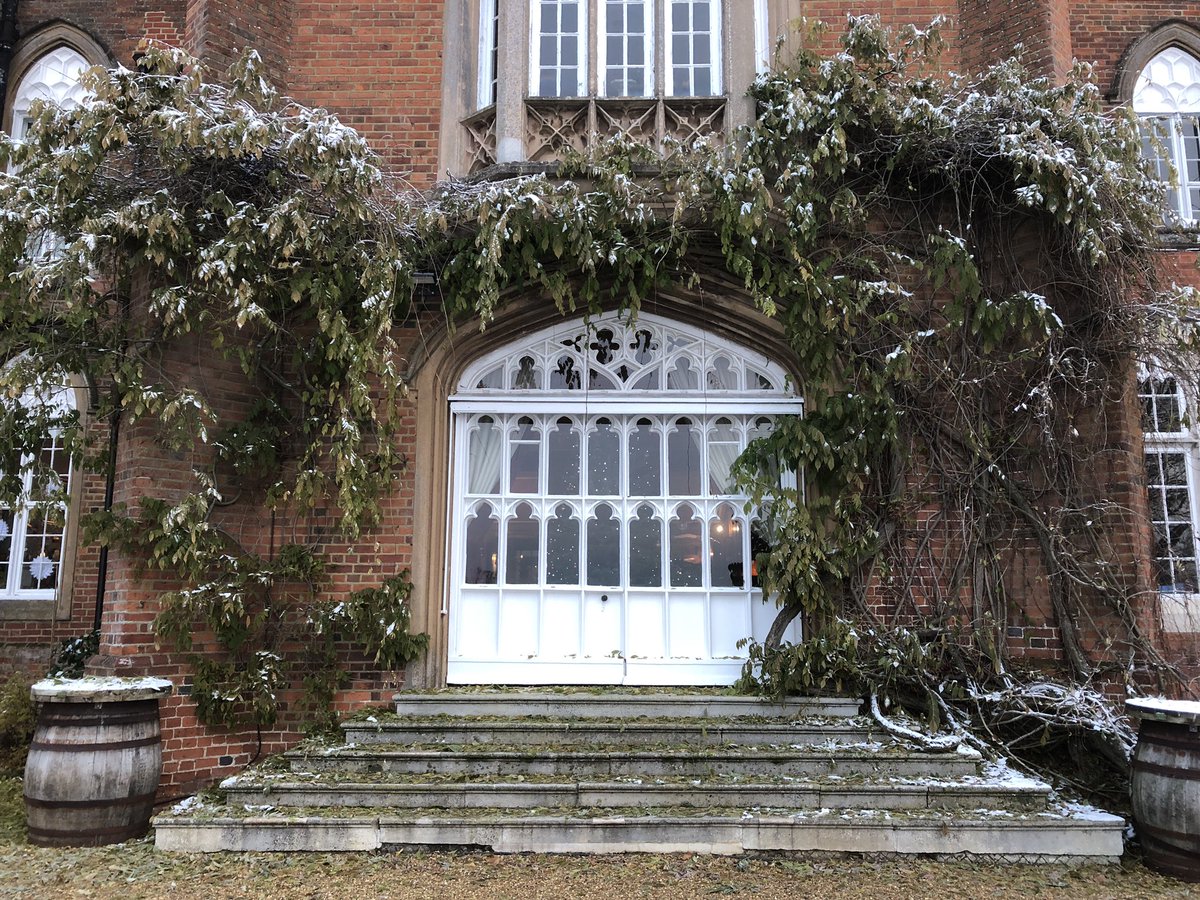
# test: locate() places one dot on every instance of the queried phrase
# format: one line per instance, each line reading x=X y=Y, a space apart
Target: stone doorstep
x=1040 y=839
x=625 y=733
x=618 y=706
x=798 y=763
x=880 y=795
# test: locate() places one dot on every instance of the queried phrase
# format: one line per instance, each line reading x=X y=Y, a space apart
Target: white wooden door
x=596 y=535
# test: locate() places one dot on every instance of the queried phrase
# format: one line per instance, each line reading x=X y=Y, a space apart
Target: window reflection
x=686 y=549
x=603 y=547
x=562 y=547
x=645 y=548
x=521 y=566
x=604 y=460
x=725 y=541
x=483 y=542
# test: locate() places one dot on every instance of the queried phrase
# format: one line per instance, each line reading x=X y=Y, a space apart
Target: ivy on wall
x=961 y=268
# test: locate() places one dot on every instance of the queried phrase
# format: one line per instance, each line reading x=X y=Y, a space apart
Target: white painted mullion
x=535 y=57
x=1179 y=161
x=485 y=96
x=762 y=37
x=716 y=58
x=582 y=50
x=602 y=48
x=20 y=530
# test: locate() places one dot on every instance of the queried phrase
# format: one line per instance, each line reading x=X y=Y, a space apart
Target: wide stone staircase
x=580 y=772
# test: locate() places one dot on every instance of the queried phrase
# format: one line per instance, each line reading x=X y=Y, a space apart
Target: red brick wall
x=992 y=29
x=1101 y=32
x=378 y=66
x=117 y=25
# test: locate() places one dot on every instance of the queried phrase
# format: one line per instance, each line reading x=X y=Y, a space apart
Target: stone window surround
x=45 y=40
x=434 y=374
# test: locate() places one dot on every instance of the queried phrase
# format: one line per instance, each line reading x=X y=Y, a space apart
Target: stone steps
x=808 y=794
x=575 y=705
x=1030 y=838
x=589 y=732
x=589 y=772
x=648 y=763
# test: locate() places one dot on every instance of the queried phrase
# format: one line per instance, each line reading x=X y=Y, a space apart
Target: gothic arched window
x=597 y=533
x=1167 y=99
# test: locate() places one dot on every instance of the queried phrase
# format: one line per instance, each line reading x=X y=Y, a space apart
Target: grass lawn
x=135 y=870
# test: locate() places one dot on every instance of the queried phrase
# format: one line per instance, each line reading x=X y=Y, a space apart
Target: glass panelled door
x=602 y=540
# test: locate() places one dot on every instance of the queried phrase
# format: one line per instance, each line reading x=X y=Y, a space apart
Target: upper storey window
x=576 y=71
x=1167 y=98
x=557 y=67
x=626 y=47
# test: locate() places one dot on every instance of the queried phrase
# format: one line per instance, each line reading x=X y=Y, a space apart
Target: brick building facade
x=458 y=88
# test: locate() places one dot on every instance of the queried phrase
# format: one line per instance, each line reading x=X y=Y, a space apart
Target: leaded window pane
x=726 y=556
x=645 y=460
x=562 y=547
x=604 y=460
x=483 y=546
x=1162 y=410
x=604 y=547
x=521 y=559
x=686 y=548
x=524 y=458
x=1169 y=492
x=645 y=548
x=683 y=459
x=563 y=462
x=558 y=48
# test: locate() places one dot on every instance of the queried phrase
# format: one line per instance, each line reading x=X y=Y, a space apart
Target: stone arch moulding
x=1173 y=33
x=33 y=47
x=436 y=369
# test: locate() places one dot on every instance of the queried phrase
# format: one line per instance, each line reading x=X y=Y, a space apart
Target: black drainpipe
x=8 y=40
x=114 y=432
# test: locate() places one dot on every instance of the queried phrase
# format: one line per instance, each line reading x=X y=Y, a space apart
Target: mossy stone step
x=575 y=705
x=1053 y=836
x=594 y=732
x=809 y=794
x=844 y=761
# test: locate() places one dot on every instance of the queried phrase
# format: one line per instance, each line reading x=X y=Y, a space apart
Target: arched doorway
x=595 y=533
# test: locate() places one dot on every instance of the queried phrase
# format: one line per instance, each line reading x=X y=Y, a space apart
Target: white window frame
x=535 y=50
x=10 y=588
x=487 y=87
x=716 y=55
x=1167 y=92
x=53 y=77
x=762 y=38
x=1180 y=609
x=650 y=9
x=757 y=388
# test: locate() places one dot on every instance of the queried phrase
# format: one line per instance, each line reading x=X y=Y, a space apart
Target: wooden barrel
x=1166 y=785
x=93 y=767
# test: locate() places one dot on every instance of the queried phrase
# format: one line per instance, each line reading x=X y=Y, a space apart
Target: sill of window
x=1181 y=237
x=23 y=609
x=506 y=170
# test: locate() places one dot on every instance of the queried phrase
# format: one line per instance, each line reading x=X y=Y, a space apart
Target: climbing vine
x=961 y=267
